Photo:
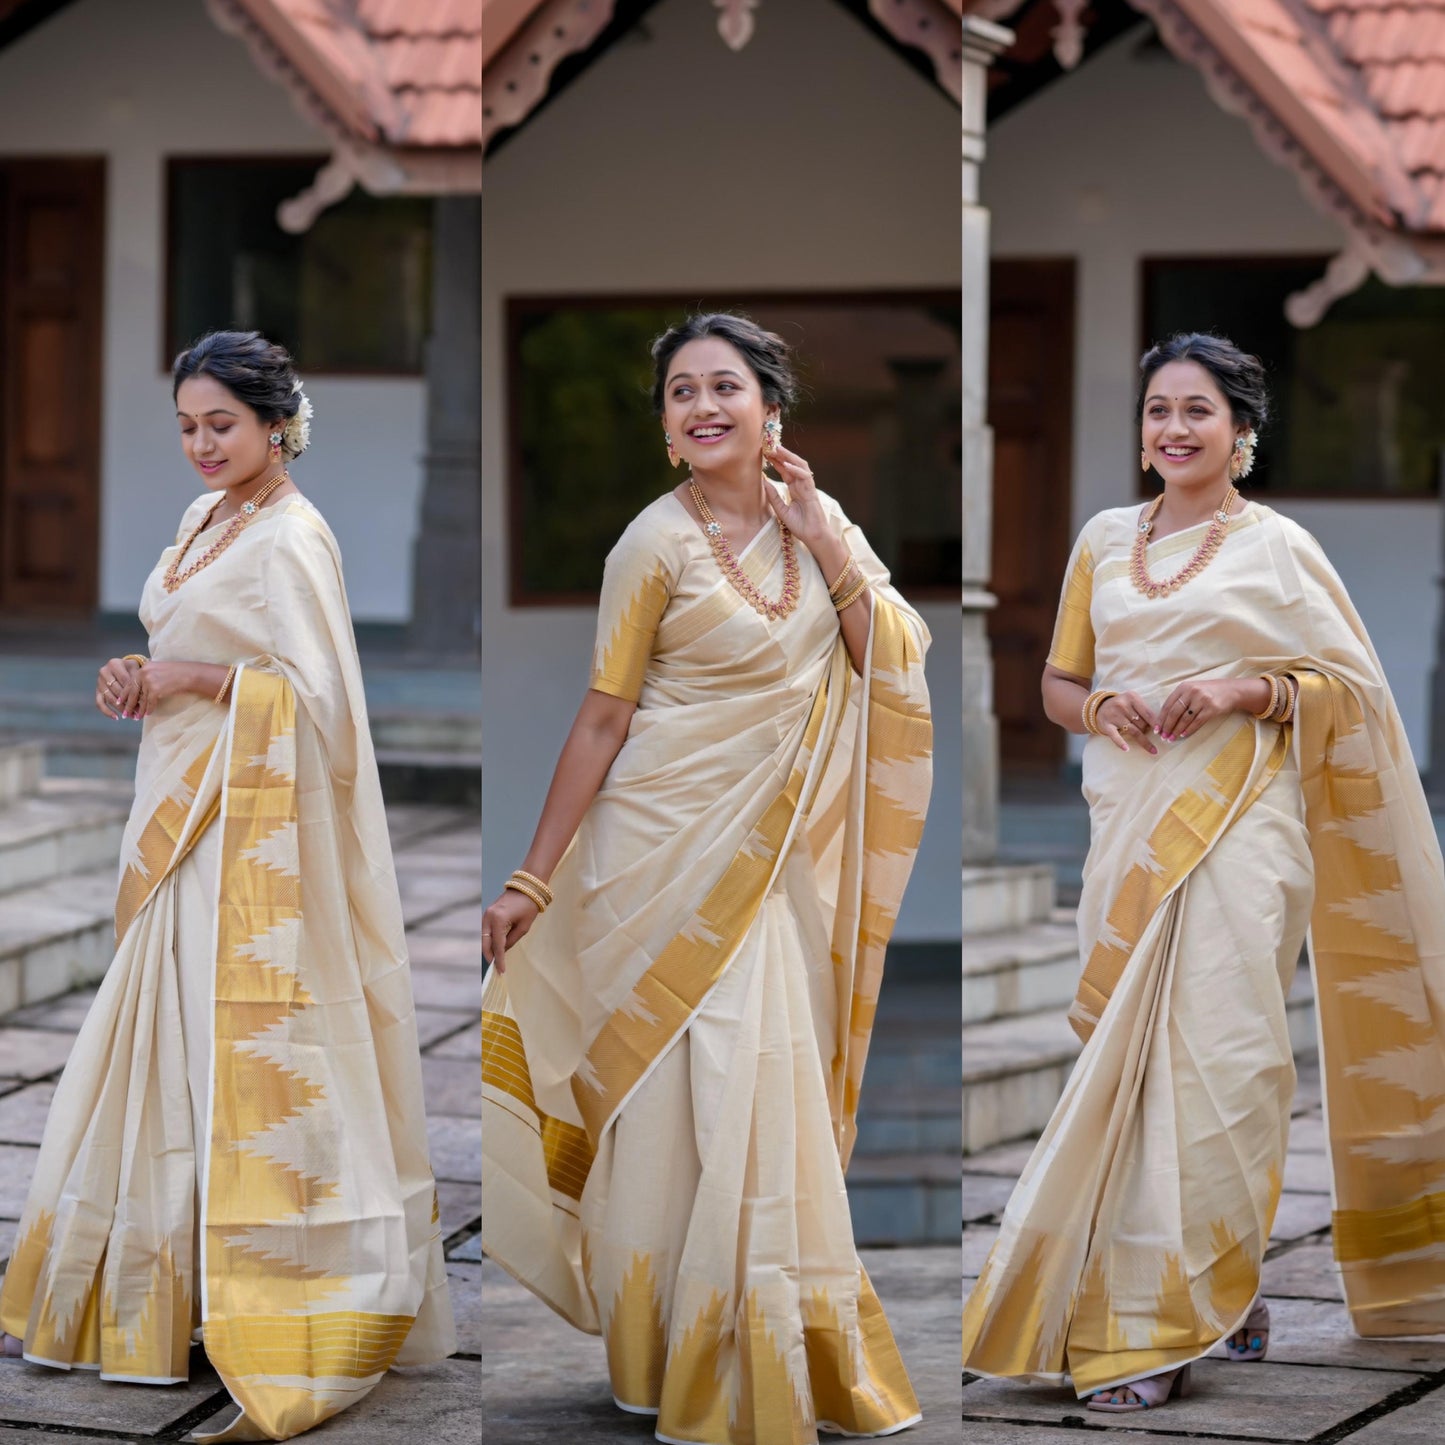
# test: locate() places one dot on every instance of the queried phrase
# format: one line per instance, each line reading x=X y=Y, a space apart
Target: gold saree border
x=1380 y=1048
x=281 y=1363
x=1185 y=833
x=663 y=1001
x=159 y=847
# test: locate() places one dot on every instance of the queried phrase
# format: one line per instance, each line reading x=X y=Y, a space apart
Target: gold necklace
x=1203 y=554
x=731 y=569
x=174 y=576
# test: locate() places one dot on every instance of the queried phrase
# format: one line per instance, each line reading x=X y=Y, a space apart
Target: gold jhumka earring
x=1143 y=460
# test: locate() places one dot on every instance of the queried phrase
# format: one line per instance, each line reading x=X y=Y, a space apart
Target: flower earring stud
x=672 y=455
x=275 y=440
x=772 y=435
x=1241 y=462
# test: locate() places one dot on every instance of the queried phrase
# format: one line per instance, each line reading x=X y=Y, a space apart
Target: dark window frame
x=174 y=161
x=517 y=308
x=1149 y=266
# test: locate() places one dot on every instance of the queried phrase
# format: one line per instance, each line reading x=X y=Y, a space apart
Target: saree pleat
x=671 y=1064
x=1134 y=1239
x=238 y=1142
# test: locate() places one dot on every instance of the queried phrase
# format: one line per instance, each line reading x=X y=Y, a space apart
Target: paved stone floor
x=1321 y=1383
x=438 y=860
x=544 y=1382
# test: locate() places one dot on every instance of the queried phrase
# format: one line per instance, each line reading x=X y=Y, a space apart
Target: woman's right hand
x=117 y=687
x=506 y=923
x=1127 y=716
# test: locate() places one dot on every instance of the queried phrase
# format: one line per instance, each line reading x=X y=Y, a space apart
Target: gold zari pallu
x=1134 y=1239
x=671 y=1066
x=253 y=1046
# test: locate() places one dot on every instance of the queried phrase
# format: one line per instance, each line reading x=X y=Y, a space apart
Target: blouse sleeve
x=1073 y=646
x=637 y=581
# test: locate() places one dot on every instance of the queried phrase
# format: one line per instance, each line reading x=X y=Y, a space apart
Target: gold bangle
x=540 y=884
x=517 y=886
x=1291 y=688
x=135 y=657
x=226 y=686
x=842 y=577
x=840 y=603
x=1273 y=703
x=1092 y=704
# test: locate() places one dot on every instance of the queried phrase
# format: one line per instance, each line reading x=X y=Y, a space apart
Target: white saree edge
x=145 y=1379
x=223 y=747
x=651 y=1410
x=829 y=1428
x=806 y=794
x=1033 y=1377
x=57 y=1364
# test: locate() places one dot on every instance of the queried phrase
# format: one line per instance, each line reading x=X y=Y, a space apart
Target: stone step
x=902 y=1119
x=905 y=1198
x=1015 y=1069
x=1020 y=970
x=21 y=767
x=1003 y=896
x=65 y=827
x=55 y=936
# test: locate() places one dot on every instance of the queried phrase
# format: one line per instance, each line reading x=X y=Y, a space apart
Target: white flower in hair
x=297 y=436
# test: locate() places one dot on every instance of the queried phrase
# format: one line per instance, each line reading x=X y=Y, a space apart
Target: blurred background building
x=310 y=168
x=797 y=159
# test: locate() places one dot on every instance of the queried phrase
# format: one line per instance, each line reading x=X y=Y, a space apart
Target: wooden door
x=1031 y=403
x=51 y=258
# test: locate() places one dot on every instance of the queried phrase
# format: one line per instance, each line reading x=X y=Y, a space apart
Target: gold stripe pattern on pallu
x=287 y=1360
x=1384 y=1068
x=566 y=1150
x=1180 y=839
x=664 y=999
x=1072 y=649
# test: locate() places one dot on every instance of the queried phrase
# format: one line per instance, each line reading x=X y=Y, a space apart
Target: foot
x=1251 y=1340
x=11 y=1347
x=1143 y=1394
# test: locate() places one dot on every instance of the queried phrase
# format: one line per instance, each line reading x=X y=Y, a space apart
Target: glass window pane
x=1356 y=398
x=352 y=294
x=878 y=421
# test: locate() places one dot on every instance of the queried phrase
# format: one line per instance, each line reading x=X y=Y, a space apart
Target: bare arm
x=596 y=738
x=857 y=617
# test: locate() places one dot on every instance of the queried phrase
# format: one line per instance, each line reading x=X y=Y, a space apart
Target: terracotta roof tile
x=1372 y=74
x=404 y=72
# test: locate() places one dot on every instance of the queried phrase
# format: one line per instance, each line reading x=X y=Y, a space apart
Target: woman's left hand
x=802 y=514
x=159 y=680
x=1196 y=702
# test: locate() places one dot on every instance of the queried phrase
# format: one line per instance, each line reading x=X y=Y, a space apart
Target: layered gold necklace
x=731 y=568
x=1203 y=554
x=174 y=576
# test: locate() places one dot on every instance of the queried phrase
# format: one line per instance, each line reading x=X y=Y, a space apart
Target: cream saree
x=1133 y=1241
x=671 y=1064
x=238 y=1141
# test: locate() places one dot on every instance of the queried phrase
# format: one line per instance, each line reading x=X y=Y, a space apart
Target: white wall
x=1131 y=158
x=136 y=83
x=815 y=158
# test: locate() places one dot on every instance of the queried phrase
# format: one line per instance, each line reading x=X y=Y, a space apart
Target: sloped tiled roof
x=395 y=73
x=1349 y=93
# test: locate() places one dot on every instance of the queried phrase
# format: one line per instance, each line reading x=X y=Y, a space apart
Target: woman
x=1248 y=781
x=236 y=1146
x=671 y=1064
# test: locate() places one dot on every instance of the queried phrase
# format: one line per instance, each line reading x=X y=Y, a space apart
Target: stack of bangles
x=849 y=587
x=1092 y=704
x=530 y=886
x=1283 y=695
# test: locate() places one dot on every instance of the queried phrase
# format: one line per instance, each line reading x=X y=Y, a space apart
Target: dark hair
x=766 y=354
x=1239 y=375
x=255 y=371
